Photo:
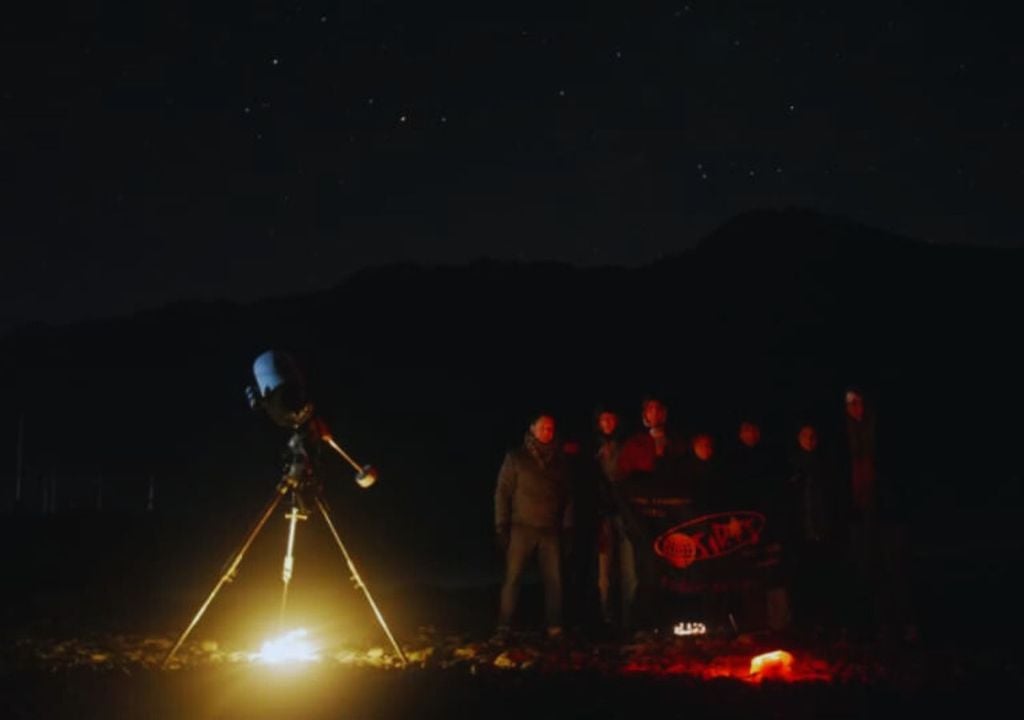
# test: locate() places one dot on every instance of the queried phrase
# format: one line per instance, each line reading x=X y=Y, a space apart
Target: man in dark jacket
x=532 y=509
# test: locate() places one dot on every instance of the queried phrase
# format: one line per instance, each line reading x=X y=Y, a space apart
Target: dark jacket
x=533 y=493
x=645 y=480
x=605 y=471
x=638 y=456
x=874 y=484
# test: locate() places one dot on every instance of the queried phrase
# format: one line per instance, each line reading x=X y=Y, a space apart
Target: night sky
x=155 y=151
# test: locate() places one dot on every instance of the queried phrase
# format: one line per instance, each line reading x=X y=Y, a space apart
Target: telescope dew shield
x=366 y=477
x=281 y=389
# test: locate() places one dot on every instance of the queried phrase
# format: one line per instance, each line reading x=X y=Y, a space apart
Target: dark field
x=97 y=599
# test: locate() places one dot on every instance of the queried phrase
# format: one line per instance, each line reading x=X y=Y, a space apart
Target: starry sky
x=158 y=151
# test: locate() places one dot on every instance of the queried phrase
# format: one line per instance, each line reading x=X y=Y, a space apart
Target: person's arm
x=503 y=498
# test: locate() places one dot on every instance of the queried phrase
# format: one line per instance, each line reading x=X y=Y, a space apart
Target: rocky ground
x=85 y=632
x=526 y=677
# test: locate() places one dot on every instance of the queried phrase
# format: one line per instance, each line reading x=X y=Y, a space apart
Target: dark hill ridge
x=430 y=371
x=804 y=232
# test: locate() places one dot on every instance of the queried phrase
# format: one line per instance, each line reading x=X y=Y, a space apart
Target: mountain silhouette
x=430 y=372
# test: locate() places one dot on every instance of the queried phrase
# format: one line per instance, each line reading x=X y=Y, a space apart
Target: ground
x=529 y=676
x=85 y=631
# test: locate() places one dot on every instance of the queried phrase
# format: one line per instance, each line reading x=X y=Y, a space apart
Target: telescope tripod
x=306 y=496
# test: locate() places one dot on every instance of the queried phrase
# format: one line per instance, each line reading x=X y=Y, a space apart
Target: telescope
x=280 y=391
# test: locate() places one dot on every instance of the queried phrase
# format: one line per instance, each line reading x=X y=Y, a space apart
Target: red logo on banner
x=709 y=537
x=678 y=548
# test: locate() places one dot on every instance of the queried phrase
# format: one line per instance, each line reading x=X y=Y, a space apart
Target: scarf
x=543 y=454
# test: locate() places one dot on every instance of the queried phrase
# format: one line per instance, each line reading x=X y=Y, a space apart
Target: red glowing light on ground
x=777 y=665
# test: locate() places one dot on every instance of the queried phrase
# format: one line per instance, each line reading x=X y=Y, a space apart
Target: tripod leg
x=358 y=580
x=230 y=573
x=289 y=558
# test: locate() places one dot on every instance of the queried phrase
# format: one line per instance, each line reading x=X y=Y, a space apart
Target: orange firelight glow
x=292 y=647
x=777 y=665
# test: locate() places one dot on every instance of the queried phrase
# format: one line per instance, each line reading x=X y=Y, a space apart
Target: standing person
x=756 y=479
x=812 y=486
x=704 y=475
x=810 y=553
x=716 y=578
x=861 y=507
x=610 y=531
x=532 y=511
x=649 y=464
x=756 y=469
x=589 y=491
x=877 y=534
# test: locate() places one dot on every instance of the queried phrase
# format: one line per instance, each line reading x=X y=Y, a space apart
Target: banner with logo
x=691 y=547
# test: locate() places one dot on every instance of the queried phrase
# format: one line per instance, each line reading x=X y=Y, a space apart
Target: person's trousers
x=881 y=563
x=524 y=541
x=616 y=545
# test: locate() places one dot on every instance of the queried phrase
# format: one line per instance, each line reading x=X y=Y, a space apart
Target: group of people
x=584 y=511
